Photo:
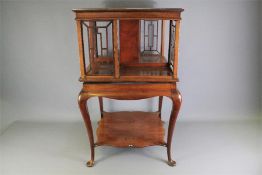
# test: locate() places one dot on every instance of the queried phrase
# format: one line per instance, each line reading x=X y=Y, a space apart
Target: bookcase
x=129 y=54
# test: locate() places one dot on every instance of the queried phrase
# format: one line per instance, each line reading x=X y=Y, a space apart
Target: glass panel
x=150 y=36
x=154 y=36
x=98 y=45
x=171 y=53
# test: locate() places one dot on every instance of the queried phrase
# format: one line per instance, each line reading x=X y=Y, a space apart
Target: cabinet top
x=128 y=10
x=127 y=13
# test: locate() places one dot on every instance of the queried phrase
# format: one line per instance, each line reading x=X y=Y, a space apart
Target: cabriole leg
x=101 y=106
x=160 y=100
x=82 y=102
x=176 y=99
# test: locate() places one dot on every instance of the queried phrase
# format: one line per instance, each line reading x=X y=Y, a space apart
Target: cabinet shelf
x=145 y=71
x=132 y=73
x=130 y=129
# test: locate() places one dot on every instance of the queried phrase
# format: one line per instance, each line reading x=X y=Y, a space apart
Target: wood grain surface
x=130 y=129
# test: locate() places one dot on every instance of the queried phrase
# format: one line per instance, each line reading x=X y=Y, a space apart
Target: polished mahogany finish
x=123 y=56
x=129 y=31
x=130 y=129
x=128 y=13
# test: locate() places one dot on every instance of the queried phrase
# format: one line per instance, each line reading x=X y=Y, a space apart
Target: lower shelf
x=130 y=129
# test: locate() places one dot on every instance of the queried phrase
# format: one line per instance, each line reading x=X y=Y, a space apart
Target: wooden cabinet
x=129 y=54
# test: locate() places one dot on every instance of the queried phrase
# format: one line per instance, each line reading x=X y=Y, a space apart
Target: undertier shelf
x=130 y=129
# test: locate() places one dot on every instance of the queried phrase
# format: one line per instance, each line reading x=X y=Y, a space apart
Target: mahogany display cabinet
x=129 y=54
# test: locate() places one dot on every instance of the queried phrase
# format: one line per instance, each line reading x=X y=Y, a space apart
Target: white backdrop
x=219 y=64
x=1 y=69
x=260 y=59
